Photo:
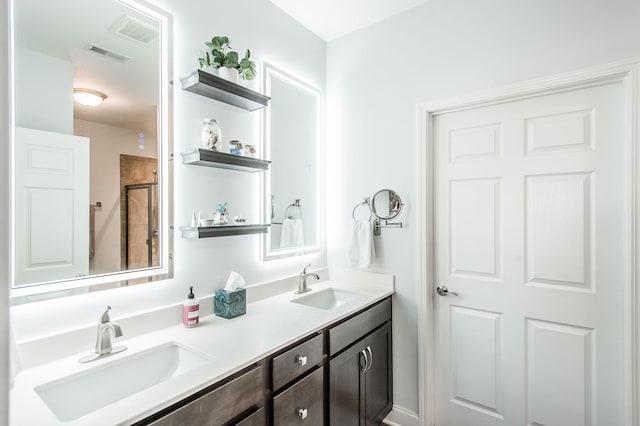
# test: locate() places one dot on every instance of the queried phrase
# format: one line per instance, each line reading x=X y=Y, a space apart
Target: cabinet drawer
x=296 y=361
x=255 y=419
x=222 y=404
x=305 y=395
x=358 y=326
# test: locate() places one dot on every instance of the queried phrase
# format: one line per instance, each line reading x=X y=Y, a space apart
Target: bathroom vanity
x=323 y=357
x=330 y=374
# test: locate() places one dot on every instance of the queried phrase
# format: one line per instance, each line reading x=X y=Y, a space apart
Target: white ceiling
x=332 y=19
x=63 y=29
x=50 y=28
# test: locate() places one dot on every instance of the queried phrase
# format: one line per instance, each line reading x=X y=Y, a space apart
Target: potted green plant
x=219 y=56
x=246 y=67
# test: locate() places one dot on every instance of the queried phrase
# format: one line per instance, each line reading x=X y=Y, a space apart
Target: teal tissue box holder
x=230 y=304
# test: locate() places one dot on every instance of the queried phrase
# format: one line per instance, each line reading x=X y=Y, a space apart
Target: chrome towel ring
x=364 y=202
x=296 y=205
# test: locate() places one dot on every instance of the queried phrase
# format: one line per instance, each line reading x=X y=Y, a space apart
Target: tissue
x=234 y=281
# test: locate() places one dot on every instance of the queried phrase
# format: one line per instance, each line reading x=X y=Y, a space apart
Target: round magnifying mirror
x=386 y=204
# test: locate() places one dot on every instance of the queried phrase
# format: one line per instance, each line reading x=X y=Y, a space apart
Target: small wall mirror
x=382 y=207
x=291 y=141
x=91 y=187
x=386 y=204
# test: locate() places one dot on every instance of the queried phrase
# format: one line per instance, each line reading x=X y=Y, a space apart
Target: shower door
x=141 y=226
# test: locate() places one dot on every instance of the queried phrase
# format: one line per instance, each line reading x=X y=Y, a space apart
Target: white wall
x=272 y=36
x=106 y=144
x=44 y=92
x=379 y=75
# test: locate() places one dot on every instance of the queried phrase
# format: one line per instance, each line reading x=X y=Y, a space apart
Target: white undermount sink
x=80 y=394
x=329 y=298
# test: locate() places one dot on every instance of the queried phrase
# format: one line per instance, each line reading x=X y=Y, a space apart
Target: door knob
x=444 y=291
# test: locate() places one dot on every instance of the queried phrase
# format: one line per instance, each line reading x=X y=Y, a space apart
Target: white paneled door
x=532 y=234
x=52 y=206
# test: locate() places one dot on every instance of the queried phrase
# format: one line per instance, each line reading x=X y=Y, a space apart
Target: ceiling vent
x=135 y=29
x=107 y=53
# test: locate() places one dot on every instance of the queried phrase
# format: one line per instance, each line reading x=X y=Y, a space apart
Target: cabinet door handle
x=363 y=368
x=370 y=358
x=302 y=413
x=302 y=360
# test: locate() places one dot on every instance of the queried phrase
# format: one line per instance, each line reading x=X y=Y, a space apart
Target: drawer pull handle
x=370 y=357
x=363 y=368
x=302 y=413
x=302 y=360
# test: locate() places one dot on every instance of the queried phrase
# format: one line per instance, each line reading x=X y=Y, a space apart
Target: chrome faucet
x=302 y=284
x=106 y=328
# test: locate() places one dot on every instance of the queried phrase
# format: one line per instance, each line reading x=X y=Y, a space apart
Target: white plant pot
x=210 y=69
x=230 y=74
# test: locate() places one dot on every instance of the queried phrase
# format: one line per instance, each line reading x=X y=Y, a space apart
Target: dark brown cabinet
x=237 y=400
x=298 y=383
x=294 y=362
x=256 y=419
x=377 y=377
x=340 y=375
x=302 y=403
x=360 y=387
x=345 y=388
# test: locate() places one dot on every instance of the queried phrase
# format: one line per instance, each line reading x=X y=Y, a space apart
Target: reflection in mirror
x=90 y=188
x=386 y=204
x=291 y=136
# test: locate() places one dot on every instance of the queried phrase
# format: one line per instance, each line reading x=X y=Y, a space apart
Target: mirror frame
x=270 y=71
x=51 y=289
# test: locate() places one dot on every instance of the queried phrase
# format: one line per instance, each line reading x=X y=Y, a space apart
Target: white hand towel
x=15 y=365
x=361 y=250
x=291 y=235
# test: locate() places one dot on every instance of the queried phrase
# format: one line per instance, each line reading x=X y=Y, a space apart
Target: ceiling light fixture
x=88 y=97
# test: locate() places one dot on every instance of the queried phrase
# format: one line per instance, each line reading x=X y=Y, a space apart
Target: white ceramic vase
x=230 y=74
x=210 y=69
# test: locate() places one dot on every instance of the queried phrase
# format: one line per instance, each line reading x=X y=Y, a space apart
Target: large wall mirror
x=90 y=174
x=291 y=188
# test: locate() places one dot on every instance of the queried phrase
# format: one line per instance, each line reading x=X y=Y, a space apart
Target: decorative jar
x=249 y=151
x=235 y=147
x=211 y=134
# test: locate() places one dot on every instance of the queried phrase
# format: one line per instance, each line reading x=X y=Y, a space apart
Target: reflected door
x=141 y=225
x=139 y=213
x=531 y=226
x=51 y=206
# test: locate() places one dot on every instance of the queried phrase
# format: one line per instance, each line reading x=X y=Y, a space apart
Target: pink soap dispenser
x=191 y=310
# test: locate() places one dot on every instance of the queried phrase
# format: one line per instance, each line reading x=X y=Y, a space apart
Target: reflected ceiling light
x=88 y=97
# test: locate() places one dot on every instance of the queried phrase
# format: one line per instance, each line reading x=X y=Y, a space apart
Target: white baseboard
x=400 y=416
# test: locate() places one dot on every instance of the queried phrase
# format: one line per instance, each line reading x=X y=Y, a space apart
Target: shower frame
x=150 y=230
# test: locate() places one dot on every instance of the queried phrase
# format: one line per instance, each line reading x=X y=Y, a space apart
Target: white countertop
x=269 y=325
